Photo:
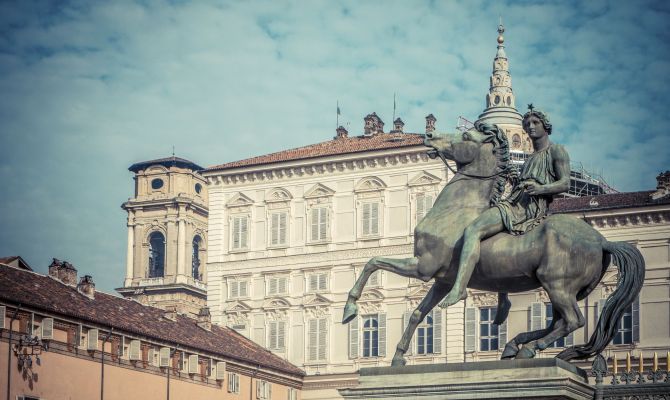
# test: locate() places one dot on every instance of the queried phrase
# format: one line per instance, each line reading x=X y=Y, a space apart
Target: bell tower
x=501 y=103
x=167 y=236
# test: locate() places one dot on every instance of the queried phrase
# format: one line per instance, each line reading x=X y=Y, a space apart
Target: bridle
x=432 y=153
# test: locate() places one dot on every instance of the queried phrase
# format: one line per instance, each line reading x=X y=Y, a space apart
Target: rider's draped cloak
x=521 y=211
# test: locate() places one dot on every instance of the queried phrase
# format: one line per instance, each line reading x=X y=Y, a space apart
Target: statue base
x=544 y=378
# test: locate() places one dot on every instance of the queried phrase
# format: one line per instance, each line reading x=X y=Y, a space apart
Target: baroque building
x=167 y=235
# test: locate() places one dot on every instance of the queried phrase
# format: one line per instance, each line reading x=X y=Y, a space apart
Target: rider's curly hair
x=544 y=117
x=501 y=150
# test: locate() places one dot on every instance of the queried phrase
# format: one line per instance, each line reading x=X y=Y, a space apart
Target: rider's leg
x=487 y=224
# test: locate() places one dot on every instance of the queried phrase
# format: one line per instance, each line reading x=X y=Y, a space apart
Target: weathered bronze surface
x=559 y=253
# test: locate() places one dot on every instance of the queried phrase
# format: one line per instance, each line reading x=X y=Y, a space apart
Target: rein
x=465 y=173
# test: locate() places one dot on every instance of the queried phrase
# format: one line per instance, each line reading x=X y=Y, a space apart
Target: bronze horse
x=563 y=255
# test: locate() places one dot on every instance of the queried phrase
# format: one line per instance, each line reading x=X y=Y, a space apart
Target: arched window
x=195 y=263
x=156 y=255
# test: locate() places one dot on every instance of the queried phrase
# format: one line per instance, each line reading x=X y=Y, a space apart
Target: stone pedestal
x=546 y=378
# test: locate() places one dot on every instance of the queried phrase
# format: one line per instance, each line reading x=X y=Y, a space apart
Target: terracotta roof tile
x=606 y=201
x=52 y=296
x=333 y=147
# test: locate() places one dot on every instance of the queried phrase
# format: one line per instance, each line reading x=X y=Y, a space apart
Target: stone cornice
x=312 y=258
x=626 y=218
x=320 y=166
x=134 y=204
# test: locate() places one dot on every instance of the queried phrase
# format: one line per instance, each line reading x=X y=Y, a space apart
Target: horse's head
x=481 y=152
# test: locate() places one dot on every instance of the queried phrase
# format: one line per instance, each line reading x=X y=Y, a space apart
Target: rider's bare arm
x=561 y=166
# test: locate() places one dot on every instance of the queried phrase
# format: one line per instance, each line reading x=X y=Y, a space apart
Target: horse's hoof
x=525 y=353
x=350 y=312
x=398 y=362
x=453 y=298
x=510 y=351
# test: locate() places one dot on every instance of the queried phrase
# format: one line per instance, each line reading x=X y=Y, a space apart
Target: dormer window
x=156 y=183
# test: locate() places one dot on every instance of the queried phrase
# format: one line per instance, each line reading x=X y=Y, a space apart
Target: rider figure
x=545 y=174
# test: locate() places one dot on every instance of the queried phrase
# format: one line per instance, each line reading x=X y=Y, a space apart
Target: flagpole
x=393 y=108
x=337 y=119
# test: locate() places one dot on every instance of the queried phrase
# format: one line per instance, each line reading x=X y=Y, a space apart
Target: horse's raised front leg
x=429 y=302
x=403 y=266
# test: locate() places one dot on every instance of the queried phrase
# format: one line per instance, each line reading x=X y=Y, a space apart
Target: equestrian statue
x=477 y=237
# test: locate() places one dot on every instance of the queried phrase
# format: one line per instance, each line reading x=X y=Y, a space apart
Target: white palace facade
x=288 y=233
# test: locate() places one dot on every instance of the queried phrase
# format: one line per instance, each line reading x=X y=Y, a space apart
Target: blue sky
x=88 y=88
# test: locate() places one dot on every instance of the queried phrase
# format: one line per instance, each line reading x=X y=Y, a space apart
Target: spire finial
x=501 y=30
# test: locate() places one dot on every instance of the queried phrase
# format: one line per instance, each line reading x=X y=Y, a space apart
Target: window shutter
x=502 y=335
x=231 y=382
x=323 y=223
x=312 y=339
x=283 y=217
x=92 y=339
x=405 y=322
x=3 y=313
x=636 y=320
x=236 y=233
x=47 y=328
x=374 y=218
x=234 y=289
x=164 y=357
x=353 y=338
x=323 y=282
x=313 y=283
x=31 y=325
x=536 y=316
x=420 y=207
x=323 y=339
x=80 y=336
x=220 y=370
x=274 y=229
x=258 y=389
x=366 y=218
x=151 y=355
x=193 y=364
x=134 y=351
x=282 y=285
x=437 y=330
x=273 y=285
x=243 y=288
x=470 y=329
x=382 y=335
x=599 y=308
x=374 y=278
x=315 y=224
x=244 y=232
x=281 y=335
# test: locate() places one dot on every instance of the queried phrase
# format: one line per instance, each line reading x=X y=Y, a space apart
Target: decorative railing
x=632 y=382
x=171 y=280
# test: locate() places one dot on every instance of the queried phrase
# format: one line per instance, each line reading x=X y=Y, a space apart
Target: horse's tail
x=630 y=263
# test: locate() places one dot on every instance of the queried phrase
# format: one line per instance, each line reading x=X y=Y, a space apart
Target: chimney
x=170 y=313
x=662 y=186
x=373 y=124
x=63 y=271
x=430 y=123
x=205 y=319
x=86 y=286
x=341 y=133
x=397 y=126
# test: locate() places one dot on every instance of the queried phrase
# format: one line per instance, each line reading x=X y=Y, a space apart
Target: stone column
x=181 y=245
x=130 y=262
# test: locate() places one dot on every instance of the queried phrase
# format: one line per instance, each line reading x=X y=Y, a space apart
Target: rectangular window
x=277 y=335
x=624 y=330
x=220 y=370
x=319 y=224
x=424 y=202
x=375 y=278
x=238 y=289
x=292 y=394
x=318 y=282
x=488 y=332
x=240 y=232
x=316 y=339
x=263 y=390
x=277 y=285
x=278 y=228
x=47 y=328
x=3 y=313
x=370 y=336
x=233 y=383
x=424 y=336
x=193 y=364
x=134 y=350
x=370 y=219
x=92 y=339
x=164 y=357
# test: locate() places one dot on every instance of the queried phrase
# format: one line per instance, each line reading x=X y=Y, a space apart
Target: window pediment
x=424 y=178
x=418 y=292
x=239 y=307
x=371 y=296
x=314 y=300
x=319 y=190
x=278 y=195
x=239 y=200
x=276 y=304
x=370 y=184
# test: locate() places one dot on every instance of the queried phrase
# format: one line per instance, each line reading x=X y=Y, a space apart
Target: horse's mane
x=501 y=150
